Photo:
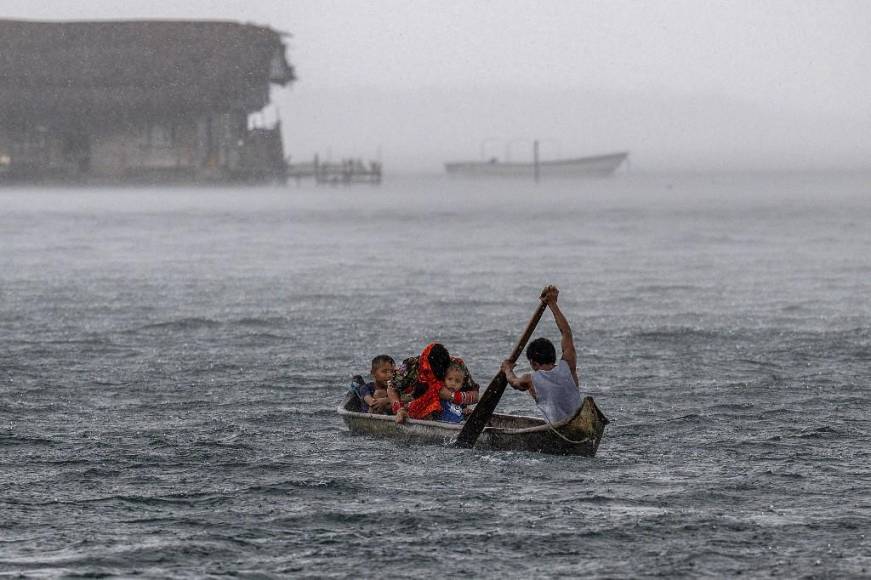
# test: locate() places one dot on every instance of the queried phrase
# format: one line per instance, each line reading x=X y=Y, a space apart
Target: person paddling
x=553 y=385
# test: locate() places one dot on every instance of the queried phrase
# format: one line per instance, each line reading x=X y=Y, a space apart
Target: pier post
x=317 y=170
x=535 y=164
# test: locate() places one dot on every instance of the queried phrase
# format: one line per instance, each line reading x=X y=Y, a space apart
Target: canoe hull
x=580 y=435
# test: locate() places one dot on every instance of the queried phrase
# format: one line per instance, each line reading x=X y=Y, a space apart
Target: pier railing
x=344 y=172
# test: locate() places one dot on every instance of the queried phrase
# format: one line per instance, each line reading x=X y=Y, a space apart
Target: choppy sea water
x=171 y=361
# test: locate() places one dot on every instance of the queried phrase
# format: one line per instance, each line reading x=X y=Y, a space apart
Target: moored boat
x=579 y=167
x=579 y=435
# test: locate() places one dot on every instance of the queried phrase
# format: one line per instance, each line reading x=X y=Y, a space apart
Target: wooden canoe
x=579 y=435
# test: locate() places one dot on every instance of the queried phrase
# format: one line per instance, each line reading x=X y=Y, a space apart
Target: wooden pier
x=344 y=172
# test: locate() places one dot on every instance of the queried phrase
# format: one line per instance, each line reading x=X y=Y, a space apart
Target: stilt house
x=139 y=101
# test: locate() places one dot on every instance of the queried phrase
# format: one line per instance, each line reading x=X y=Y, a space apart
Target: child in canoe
x=452 y=409
x=552 y=385
x=419 y=387
x=374 y=395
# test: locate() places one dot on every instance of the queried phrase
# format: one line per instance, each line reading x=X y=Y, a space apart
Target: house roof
x=48 y=66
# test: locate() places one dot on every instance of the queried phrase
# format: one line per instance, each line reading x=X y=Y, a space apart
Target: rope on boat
x=560 y=435
x=566 y=439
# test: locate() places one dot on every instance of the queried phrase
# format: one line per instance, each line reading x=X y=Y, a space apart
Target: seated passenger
x=416 y=390
x=452 y=411
x=374 y=395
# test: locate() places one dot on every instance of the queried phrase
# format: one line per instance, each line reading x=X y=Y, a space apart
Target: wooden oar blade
x=487 y=404
x=483 y=411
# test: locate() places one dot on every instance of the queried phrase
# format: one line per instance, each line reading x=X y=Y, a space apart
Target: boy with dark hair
x=374 y=395
x=553 y=385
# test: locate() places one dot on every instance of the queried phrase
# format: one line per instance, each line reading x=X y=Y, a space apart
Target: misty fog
x=724 y=85
x=681 y=85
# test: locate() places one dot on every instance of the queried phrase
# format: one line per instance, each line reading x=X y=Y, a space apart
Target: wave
x=759 y=363
x=91 y=341
x=818 y=432
x=290 y=485
x=689 y=418
x=225 y=444
x=268 y=322
x=656 y=288
x=682 y=333
x=9 y=439
x=192 y=323
x=262 y=338
x=89 y=474
x=731 y=407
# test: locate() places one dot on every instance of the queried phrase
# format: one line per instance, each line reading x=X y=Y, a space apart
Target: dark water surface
x=170 y=364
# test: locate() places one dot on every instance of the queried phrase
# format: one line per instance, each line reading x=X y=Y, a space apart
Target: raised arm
x=567 y=342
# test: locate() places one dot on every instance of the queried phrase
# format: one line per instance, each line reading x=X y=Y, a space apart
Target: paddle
x=485 y=407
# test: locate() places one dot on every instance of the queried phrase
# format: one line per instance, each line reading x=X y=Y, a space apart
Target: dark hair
x=419 y=390
x=455 y=367
x=382 y=359
x=439 y=361
x=541 y=351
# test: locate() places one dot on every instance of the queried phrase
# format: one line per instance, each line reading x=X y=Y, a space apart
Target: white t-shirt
x=558 y=396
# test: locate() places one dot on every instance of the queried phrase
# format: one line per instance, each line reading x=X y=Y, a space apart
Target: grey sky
x=683 y=83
